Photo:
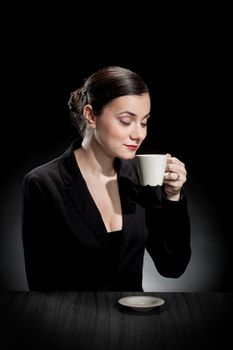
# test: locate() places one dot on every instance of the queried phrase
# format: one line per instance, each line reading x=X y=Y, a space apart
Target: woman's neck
x=93 y=159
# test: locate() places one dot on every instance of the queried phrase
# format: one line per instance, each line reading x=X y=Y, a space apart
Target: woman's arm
x=38 y=236
x=169 y=236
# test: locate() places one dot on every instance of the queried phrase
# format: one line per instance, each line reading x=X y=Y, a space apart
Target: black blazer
x=65 y=239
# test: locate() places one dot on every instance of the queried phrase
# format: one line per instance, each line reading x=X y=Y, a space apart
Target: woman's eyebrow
x=133 y=114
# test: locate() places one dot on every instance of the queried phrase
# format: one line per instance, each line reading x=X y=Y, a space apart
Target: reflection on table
x=88 y=320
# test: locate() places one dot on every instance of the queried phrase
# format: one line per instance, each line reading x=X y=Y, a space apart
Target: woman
x=86 y=218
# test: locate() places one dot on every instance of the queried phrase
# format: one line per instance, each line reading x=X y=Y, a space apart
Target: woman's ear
x=89 y=116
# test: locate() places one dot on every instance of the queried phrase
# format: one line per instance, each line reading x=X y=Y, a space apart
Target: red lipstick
x=131 y=147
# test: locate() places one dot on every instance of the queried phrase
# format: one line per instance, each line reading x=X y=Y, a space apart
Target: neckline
x=80 y=175
x=114 y=233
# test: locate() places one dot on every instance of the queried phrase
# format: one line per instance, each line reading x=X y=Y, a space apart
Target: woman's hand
x=175 y=177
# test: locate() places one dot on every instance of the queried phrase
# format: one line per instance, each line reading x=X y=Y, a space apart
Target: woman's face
x=122 y=126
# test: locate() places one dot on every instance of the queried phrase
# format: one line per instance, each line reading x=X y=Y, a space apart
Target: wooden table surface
x=89 y=320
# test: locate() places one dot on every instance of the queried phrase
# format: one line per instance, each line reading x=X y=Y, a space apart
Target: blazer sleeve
x=38 y=235
x=169 y=234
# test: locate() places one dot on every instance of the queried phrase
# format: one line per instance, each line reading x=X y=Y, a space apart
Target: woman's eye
x=125 y=122
x=144 y=125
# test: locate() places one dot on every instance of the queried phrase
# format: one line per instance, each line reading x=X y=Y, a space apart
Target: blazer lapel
x=128 y=192
x=77 y=193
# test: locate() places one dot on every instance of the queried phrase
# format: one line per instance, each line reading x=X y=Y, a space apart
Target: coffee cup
x=151 y=168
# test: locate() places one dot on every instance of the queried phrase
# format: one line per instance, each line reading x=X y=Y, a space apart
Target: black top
x=114 y=245
x=65 y=242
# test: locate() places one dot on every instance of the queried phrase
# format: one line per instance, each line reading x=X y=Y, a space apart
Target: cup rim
x=150 y=155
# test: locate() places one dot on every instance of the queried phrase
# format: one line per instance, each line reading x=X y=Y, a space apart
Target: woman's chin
x=127 y=156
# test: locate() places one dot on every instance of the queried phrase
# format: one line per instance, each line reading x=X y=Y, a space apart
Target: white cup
x=151 y=168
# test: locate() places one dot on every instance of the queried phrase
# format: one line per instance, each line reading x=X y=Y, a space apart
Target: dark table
x=89 y=320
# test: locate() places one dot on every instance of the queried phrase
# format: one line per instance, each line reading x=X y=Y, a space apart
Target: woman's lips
x=131 y=147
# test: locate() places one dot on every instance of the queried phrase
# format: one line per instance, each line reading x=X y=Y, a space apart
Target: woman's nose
x=137 y=133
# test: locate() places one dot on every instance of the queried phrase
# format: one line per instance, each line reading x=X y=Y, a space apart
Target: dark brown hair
x=101 y=88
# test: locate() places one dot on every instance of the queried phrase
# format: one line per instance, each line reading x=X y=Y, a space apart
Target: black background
x=186 y=65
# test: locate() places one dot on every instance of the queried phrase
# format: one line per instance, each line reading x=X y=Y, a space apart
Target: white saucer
x=141 y=303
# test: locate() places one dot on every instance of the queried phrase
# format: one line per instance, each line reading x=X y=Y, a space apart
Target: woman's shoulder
x=55 y=171
x=50 y=168
x=44 y=171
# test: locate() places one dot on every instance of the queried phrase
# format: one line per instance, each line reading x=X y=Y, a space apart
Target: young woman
x=86 y=218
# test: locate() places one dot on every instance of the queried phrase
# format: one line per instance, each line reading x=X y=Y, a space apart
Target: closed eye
x=144 y=125
x=126 y=123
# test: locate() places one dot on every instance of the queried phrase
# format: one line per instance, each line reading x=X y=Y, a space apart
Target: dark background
x=186 y=67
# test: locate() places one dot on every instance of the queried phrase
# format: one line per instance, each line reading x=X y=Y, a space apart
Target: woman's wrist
x=173 y=197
